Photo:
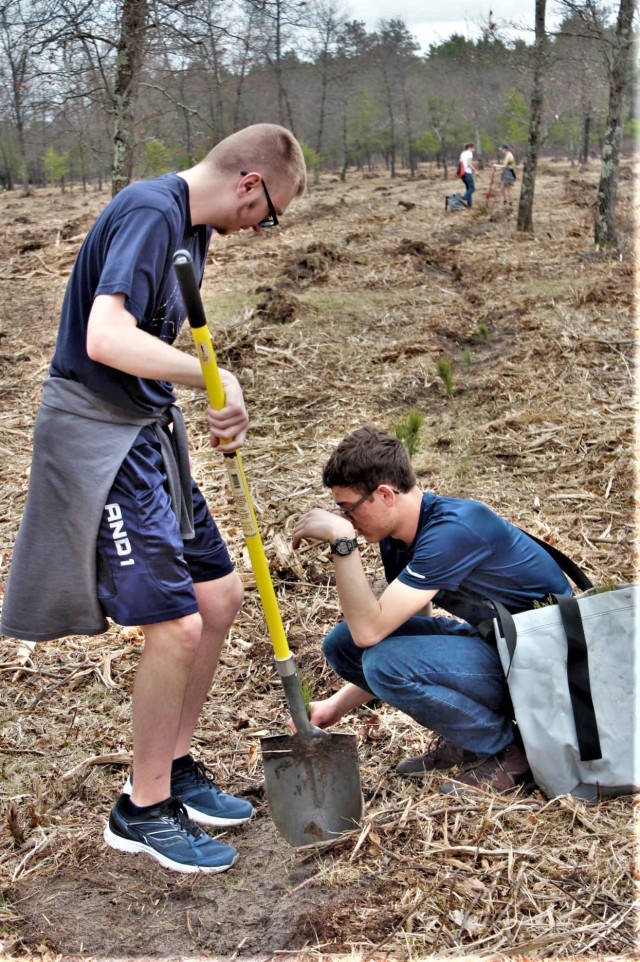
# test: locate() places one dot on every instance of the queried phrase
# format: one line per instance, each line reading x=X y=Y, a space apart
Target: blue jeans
x=439 y=672
x=468 y=182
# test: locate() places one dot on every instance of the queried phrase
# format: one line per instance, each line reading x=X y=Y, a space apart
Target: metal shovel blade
x=312 y=785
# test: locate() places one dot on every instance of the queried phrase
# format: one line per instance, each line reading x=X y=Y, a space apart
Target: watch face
x=344 y=546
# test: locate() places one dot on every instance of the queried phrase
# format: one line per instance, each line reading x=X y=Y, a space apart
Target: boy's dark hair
x=366 y=458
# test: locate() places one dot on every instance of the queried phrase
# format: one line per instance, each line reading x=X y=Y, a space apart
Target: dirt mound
x=275 y=306
x=312 y=267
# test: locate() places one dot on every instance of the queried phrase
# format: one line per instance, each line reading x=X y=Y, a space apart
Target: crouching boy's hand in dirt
x=330 y=710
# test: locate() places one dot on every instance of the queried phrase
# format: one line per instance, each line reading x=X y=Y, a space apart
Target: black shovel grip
x=183 y=264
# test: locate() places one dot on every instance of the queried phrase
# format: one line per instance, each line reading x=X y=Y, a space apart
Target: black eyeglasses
x=272 y=219
x=347 y=510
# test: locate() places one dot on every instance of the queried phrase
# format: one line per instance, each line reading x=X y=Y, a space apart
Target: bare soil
x=337 y=319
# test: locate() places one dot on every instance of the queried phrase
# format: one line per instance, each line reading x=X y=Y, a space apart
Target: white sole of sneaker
x=211 y=820
x=199 y=817
x=139 y=848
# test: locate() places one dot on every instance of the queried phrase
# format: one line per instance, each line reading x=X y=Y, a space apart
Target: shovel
x=312 y=778
x=493 y=172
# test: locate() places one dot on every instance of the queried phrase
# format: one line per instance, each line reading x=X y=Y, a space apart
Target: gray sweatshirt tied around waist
x=80 y=441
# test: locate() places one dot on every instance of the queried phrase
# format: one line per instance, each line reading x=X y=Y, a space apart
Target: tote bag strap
x=577 y=654
x=584 y=713
x=578 y=679
x=509 y=630
x=569 y=567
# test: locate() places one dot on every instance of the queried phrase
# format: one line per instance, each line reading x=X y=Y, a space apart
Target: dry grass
x=340 y=319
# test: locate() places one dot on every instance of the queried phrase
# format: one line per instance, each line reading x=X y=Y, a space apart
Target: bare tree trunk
x=239 y=83
x=586 y=137
x=187 y=116
x=216 y=105
x=525 y=206
x=17 y=44
x=128 y=66
x=345 y=146
x=326 y=23
x=324 y=83
x=391 y=154
x=409 y=130
x=605 y=229
x=26 y=187
x=285 y=116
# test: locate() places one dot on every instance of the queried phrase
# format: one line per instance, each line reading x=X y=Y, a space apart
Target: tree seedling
x=306 y=687
x=408 y=431
x=445 y=373
x=544 y=602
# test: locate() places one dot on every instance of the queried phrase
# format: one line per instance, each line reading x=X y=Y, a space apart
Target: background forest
x=103 y=89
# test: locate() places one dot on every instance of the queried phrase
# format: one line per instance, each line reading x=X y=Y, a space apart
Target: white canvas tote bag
x=572 y=670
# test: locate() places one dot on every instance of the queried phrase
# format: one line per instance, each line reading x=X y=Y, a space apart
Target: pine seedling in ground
x=445 y=373
x=408 y=431
x=545 y=602
x=306 y=687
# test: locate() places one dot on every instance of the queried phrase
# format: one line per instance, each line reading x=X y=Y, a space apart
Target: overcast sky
x=432 y=21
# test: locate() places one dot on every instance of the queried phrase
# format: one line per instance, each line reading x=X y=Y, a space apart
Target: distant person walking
x=466 y=159
x=508 y=177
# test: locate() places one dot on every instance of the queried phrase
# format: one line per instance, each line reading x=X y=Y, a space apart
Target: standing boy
x=114 y=526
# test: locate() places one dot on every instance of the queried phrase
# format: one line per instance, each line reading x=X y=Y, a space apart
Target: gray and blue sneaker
x=167 y=834
x=205 y=803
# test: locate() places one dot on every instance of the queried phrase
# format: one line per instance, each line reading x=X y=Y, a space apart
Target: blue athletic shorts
x=145 y=569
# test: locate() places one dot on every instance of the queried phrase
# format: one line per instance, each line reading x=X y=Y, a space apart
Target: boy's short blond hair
x=269 y=149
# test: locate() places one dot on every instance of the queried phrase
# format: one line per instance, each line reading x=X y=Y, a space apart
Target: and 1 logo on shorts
x=121 y=541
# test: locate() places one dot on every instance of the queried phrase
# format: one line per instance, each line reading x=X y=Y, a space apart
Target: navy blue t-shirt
x=129 y=250
x=469 y=553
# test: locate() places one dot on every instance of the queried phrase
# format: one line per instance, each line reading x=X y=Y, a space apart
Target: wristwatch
x=344 y=546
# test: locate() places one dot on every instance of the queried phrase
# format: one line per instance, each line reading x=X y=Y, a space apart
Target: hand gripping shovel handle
x=285 y=664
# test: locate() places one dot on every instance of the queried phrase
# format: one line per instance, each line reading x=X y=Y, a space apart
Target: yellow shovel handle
x=185 y=272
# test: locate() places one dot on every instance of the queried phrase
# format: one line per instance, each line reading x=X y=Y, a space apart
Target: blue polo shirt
x=129 y=250
x=469 y=553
